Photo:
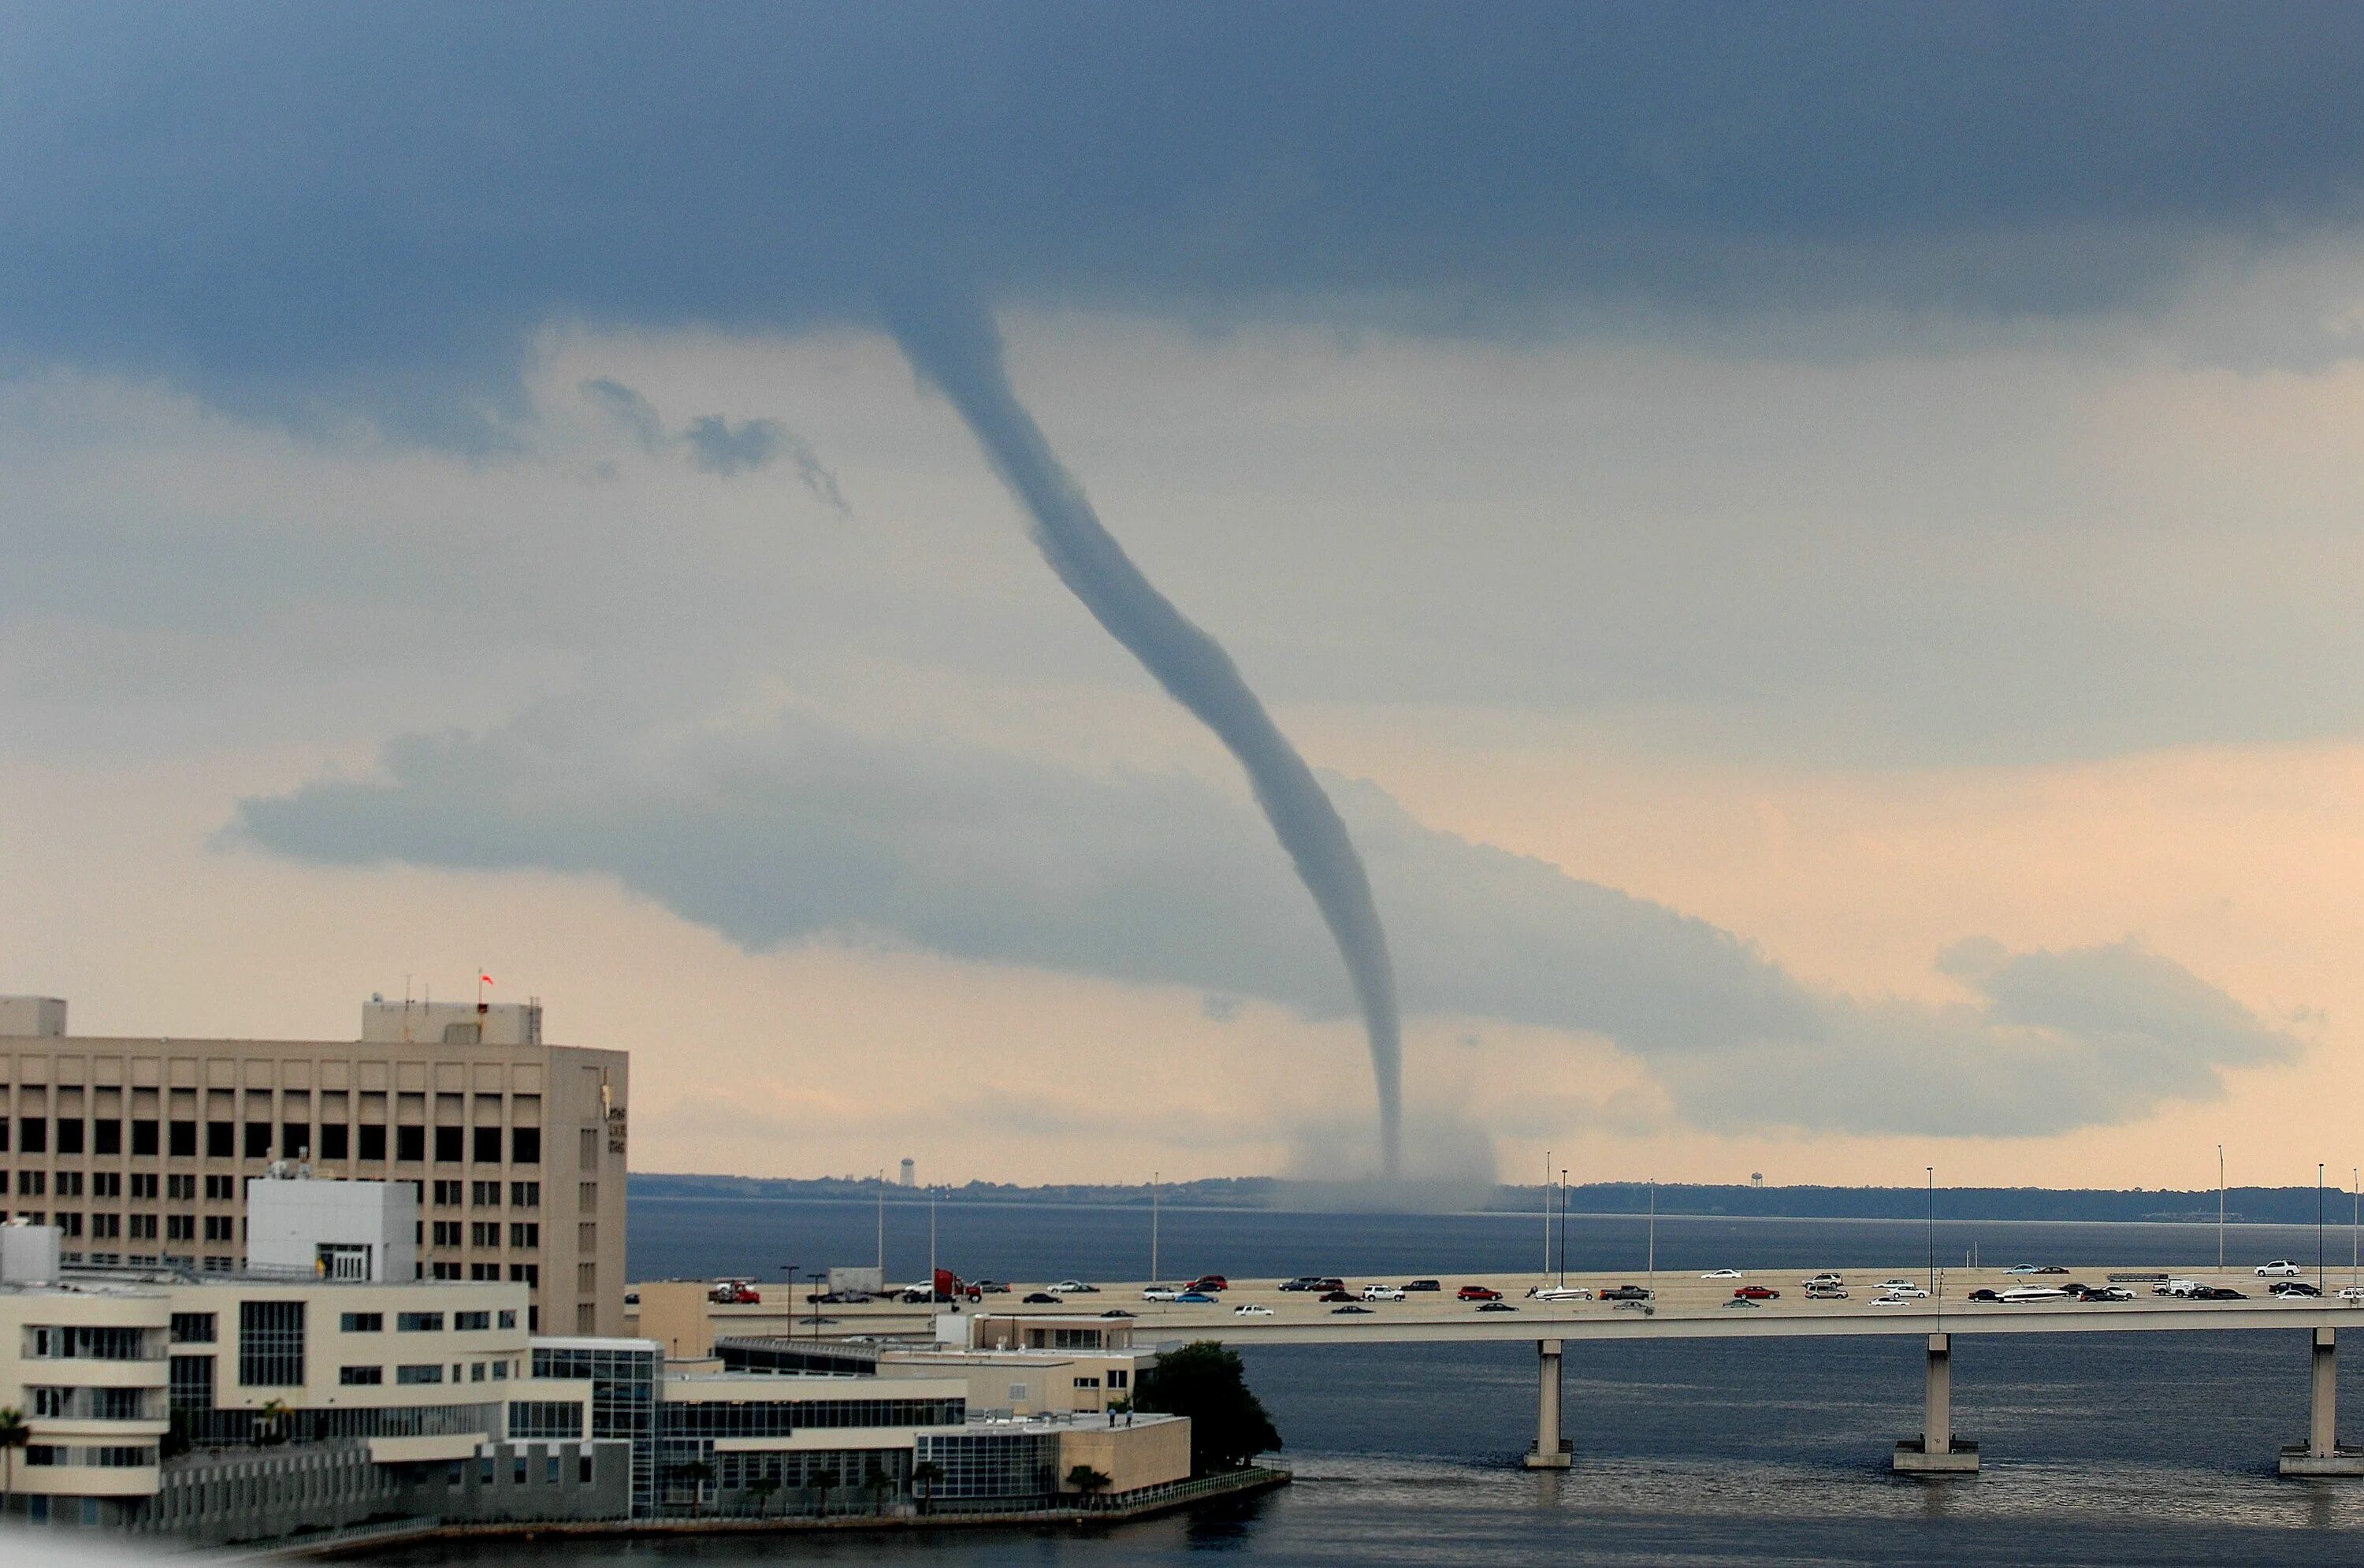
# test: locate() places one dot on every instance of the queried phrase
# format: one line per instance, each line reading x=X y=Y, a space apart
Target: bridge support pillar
x=1937 y=1452
x=2321 y=1453
x=1550 y=1451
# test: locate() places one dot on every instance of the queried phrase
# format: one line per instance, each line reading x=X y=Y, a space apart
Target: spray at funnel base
x=954 y=344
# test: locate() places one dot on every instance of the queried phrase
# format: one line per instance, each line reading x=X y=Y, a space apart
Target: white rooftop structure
x=340 y=1231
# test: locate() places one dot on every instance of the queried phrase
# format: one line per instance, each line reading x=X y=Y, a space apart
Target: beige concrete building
x=140 y=1149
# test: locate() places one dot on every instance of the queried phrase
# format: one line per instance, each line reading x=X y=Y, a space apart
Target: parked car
x=1422 y=1284
x=1337 y=1296
x=2281 y=1267
x=1072 y=1287
x=1560 y=1293
x=1042 y=1299
x=1983 y=1296
x=1382 y=1293
x=1350 y=1307
x=2292 y=1287
x=1251 y=1310
x=1757 y=1292
x=1195 y=1297
x=1627 y=1292
x=1720 y=1274
x=1477 y=1293
x=1496 y=1304
x=2022 y=1295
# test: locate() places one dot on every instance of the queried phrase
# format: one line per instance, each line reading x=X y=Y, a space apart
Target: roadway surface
x=1684 y=1306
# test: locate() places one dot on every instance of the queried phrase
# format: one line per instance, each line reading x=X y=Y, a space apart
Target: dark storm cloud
x=806 y=832
x=715 y=443
x=303 y=208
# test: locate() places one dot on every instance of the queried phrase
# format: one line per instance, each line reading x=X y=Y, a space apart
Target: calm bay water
x=2138 y=1448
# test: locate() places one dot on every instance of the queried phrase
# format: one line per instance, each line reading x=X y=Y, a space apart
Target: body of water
x=2137 y=1448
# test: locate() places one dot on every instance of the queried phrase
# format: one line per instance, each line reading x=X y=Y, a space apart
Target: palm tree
x=14 y=1434
x=924 y=1476
x=1088 y=1480
x=821 y=1483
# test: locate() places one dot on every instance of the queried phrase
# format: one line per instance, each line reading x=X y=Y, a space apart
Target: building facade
x=140 y=1150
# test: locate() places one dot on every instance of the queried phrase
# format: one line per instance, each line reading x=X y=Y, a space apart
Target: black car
x=1116 y=1312
x=1625 y=1293
x=2292 y=1287
x=1496 y=1307
x=1350 y=1306
x=1042 y=1298
x=1341 y=1295
x=1984 y=1295
x=2218 y=1293
x=1422 y=1284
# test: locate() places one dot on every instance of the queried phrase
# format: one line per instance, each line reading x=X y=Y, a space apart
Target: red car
x=1210 y=1282
x=1478 y=1292
x=1757 y=1292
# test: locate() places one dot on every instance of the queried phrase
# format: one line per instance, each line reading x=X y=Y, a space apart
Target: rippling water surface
x=2104 y=1449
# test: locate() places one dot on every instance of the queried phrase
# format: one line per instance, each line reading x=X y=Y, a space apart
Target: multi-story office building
x=139 y=1150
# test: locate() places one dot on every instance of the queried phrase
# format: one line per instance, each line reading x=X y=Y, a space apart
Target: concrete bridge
x=1682 y=1307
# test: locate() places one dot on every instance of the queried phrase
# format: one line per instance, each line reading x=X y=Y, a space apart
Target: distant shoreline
x=2068 y=1205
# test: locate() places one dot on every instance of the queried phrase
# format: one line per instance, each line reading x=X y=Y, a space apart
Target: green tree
x=924 y=1476
x=1088 y=1480
x=761 y=1489
x=1205 y=1381
x=14 y=1434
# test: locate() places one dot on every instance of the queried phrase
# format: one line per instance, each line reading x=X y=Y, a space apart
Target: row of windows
x=224 y=1189
x=265 y=1140
x=487 y=1194
x=776 y=1418
x=486 y=1233
x=422 y=1371
x=487 y=1274
x=90 y=1404
x=524 y=1235
x=103 y=1456
x=87 y=1342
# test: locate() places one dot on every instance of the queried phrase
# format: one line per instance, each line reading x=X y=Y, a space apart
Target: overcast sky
x=1813 y=549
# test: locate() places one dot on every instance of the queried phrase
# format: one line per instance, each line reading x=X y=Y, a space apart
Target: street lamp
x=2319 y=1228
x=1562 y=1227
x=1653 y=1264
x=2220 y=1208
x=1152 y=1228
x=1933 y=1231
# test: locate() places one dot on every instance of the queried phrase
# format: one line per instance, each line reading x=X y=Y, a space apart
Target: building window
x=143 y=1228
x=179 y=1189
x=525 y=1234
x=69 y=1182
x=143 y=1138
x=484 y=1232
x=588 y=1147
x=192 y=1327
x=432 y=1372
x=270 y=1344
x=1118 y=1378
x=586 y=1237
x=69 y=1136
x=475 y=1372
x=409 y=1143
x=222 y=1140
x=361 y=1376
x=258 y=1141
x=192 y=1382
x=106 y=1227
x=362 y=1323
x=483 y=1272
x=106 y=1184
x=143 y=1187
x=484 y=1194
x=295 y=1141
x=33 y=1135
x=372 y=1142
x=445 y=1271
x=466 y=1322
x=587 y=1279
x=586 y=1318
x=485 y=1144
x=447 y=1144
x=525 y=1194
x=177 y=1228
x=525 y=1146
x=447 y=1195
x=220 y=1189
x=447 y=1233
x=106 y=1138
x=32 y=1183
x=526 y=1273
x=336 y=1140
x=586 y=1197
x=508 y=1318
x=219 y=1227
x=418 y=1322
x=70 y=1224
x=184 y=1144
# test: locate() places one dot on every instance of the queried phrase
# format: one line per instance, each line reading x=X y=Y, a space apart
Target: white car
x=2175 y=1286
x=1382 y=1293
x=2350 y=1292
x=1162 y=1293
x=1720 y=1274
x=1560 y=1293
x=1072 y=1287
x=1251 y=1310
x=1899 y=1284
x=2020 y=1294
x=1894 y=1300
x=1825 y=1293
x=1907 y=1291
x=2281 y=1267
x=1826 y=1277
